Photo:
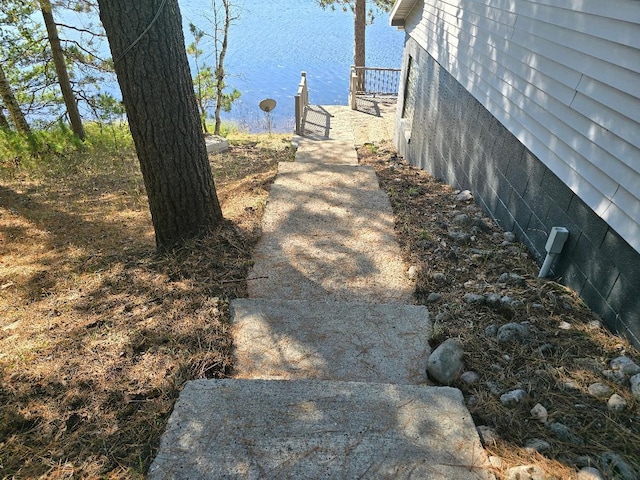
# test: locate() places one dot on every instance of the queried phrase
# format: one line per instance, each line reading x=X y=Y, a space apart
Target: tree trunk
x=4 y=123
x=150 y=59
x=10 y=102
x=360 y=25
x=220 y=64
x=61 y=70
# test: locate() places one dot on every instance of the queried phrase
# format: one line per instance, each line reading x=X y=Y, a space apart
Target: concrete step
x=265 y=429
x=328 y=232
x=279 y=339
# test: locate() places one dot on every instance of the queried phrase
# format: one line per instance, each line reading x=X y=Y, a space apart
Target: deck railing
x=373 y=81
x=302 y=101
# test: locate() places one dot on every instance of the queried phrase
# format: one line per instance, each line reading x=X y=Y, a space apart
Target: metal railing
x=373 y=81
x=302 y=102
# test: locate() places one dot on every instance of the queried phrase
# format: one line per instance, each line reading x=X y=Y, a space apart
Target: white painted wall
x=563 y=76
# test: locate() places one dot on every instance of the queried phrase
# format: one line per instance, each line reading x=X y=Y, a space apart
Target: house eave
x=401 y=9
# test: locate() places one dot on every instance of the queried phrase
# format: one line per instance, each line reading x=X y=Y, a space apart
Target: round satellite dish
x=267 y=104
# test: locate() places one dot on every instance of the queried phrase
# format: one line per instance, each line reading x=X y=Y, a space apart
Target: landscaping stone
x=540 y=413
x=624 y=365
x=470 y=377
x=513 y=397
x=616 y=403
x=589 y=473
x=491 y=331
x=635 y=386
x=615 y=376
x=536 y=445
x=474 y=299
x=434 y=297
x=440 y=277
x=493 y=300
x=615 y=466
x=464 y=196
x=565 y=434
x=445 y=362
x=525 y=472
x=488 y=435
x=512 y=332
x=512 y=279
x=600 y=390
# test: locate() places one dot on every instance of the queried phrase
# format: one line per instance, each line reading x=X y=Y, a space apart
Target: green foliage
x=58 y=151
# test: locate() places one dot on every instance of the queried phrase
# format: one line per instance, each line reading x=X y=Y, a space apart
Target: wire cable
x=145 y=31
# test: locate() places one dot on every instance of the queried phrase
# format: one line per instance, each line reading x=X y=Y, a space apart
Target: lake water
x=273 y=41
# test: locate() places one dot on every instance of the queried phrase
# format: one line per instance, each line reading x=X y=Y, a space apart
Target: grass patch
x=98 y=333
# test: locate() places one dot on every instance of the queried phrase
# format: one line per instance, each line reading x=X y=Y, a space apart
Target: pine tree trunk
x=61 y=70
x=10 y=102
x=360 y=25
x=148 y=48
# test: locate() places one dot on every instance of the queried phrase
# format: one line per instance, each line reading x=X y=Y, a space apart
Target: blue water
x=273 y=41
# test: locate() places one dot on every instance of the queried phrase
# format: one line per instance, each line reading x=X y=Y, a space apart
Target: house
x=534 y=106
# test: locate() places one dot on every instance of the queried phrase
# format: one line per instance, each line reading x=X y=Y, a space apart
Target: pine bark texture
x=11 y=104
x=147 y=45
x=61 y=70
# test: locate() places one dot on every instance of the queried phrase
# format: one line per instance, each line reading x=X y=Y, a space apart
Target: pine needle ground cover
x=98 y=333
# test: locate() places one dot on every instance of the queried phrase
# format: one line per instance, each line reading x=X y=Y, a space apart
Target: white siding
x=563 y=76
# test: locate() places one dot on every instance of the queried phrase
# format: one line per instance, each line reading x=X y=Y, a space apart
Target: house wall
x=541 y=138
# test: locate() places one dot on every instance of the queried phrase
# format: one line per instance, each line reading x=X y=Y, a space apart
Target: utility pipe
x=557 y=237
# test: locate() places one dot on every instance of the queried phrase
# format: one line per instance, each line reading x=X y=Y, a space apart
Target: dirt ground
x=97 y=332
x=457 y=251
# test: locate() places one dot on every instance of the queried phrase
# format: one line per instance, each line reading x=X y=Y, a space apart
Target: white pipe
x=546 y=266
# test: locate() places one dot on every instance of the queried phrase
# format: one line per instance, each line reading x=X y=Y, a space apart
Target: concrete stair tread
x=318 y=429
x=386 y=343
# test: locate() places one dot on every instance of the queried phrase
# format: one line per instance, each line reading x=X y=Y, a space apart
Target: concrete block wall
x=456 y=139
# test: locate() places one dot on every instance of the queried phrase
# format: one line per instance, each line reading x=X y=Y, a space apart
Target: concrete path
x=330 y=355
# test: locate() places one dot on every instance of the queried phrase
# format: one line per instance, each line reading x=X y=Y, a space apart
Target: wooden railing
x=373 y=81
x=302 y=101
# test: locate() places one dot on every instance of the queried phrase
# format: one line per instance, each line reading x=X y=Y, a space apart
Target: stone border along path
x=330 y=353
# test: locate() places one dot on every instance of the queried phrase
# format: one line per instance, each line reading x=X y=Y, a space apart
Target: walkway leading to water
x=330 y=353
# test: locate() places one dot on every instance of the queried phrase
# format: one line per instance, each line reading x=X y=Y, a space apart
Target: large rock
x=445 y=363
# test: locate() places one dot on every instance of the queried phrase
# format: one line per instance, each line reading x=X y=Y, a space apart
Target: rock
x=564 y=433
x=473 y=299
x=481 y=224
x=614 y=466
x=525 y=472
x=616 y=403
x=635 y=386
x=487 y=435
x=509 y=236
x=494 y=387
x=443 y=317
x=433 y=297
x=536 y=445
x=491 y=331
x=512 y=332
x=564 y=325
x=462 y=219
x=615 y=376
x=464 y=196
x=460 y=237
x=589 y=473
x=445 y=362
x=440 y=277
x=600 y=390
x=496 y=462
x=469 y=377
x=513 y=397
x=512 y=279
x=412 y=272
x=493 y=300
x=571 y=385
x=624 y=365
x=540 y=413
